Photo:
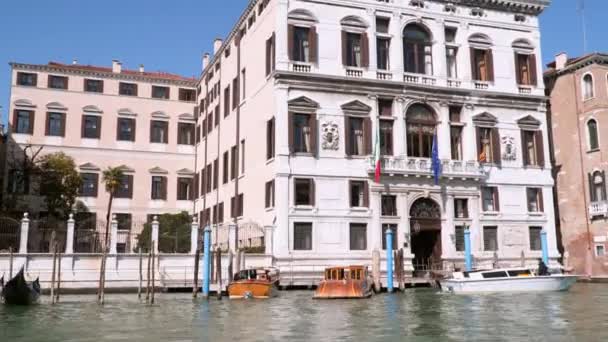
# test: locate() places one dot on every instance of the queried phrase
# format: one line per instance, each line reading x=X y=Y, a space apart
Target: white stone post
x=25 y=229
x=113 y=234
x=232 y=237
x=194 y=235
x=268 y=232
x=396 y=47
x=69 y=243
x=154 y=235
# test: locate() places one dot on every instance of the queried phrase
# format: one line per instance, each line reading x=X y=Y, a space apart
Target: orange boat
x=350 y=282
x=254 y=283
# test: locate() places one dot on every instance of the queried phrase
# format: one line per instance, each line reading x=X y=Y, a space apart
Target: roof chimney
x=141 y=68
x=116 y=66
x=75 y=61
x=205 y=60
x=561 y=59
x=217 y=44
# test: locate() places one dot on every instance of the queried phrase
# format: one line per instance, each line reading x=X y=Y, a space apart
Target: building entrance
x=425 y=232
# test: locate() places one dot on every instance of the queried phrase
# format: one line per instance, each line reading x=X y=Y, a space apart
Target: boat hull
x=251 y=289
x=514 y=284
x=342 y=290
x=20 y=292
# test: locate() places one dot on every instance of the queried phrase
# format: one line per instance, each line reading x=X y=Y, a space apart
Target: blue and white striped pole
x=389 y=260
x=544 y=246
x=467 y=250
x=206 y=260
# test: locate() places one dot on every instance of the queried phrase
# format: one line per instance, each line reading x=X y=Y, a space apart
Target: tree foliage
x=59 y=183
x=173 y=234
x=112 y=178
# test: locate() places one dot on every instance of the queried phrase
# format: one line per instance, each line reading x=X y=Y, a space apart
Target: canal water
x=416 y=315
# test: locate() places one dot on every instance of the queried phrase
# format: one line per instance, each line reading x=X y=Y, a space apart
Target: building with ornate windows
x=292 y=101
x=578 y=91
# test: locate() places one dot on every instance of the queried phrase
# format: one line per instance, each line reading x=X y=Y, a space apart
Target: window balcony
x=598 y=209
x=419 y=78
x=384 y=75
x=354 y=72
x=422 y=167
x=301 y=67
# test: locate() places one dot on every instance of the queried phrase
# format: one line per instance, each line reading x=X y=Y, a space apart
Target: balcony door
x=421 y=125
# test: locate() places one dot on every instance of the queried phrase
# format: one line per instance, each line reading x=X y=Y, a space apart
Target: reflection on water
x=417 y=315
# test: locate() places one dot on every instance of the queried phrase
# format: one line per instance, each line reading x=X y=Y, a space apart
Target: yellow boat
x=351 y=282
x=254 y=283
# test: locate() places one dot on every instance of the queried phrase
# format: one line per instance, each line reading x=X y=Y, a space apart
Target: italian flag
x=377 y=154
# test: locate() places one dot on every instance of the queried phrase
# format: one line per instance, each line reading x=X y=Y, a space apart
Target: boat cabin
x=499 y=273
x=346 y=273
x=252 y=274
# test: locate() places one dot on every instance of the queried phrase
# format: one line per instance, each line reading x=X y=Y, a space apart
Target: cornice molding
x=534 y=7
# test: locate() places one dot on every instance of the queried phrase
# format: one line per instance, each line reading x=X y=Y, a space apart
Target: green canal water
x=417 y=315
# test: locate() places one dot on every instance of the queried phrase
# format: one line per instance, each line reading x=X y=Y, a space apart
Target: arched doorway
x=425 y=232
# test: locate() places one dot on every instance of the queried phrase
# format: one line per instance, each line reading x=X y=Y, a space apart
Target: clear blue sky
x=172 y=35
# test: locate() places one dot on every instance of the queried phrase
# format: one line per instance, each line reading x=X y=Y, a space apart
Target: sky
x=172 y=36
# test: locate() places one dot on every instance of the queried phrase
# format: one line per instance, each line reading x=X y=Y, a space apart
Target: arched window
x=597 y=186
x=302 y=36
x=592 y=135
x=417 y=54
x=421 y=124
x=482 y=60
x=588 y=90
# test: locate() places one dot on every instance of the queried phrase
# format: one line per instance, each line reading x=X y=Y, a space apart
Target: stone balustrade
x=423 y=167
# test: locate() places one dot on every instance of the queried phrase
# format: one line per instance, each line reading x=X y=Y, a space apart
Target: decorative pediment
x=56 y=106
x=301 y=14
x=185 y=172
x=529 y=121
x=160 y=115
x=353 y=21
x=485 y=119
x=89 y=167
x=91 y=109
x=302 y=103
x=126 y=169
x=126 y=112
x=24 y=103
x=159 y=171
x=480 y=40
x=356 y=107
x=186 y=117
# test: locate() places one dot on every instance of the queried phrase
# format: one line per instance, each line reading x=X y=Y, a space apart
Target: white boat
x=506 y=280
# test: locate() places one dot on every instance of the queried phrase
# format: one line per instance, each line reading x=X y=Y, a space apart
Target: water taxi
x=349 y=282
x=257 y=283
x=506 y=280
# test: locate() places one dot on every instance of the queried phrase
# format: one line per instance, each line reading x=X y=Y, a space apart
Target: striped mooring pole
x=206 y=261
x=389 y=260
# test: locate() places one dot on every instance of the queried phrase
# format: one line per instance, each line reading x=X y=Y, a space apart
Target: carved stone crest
x=508 y=148
x=330 y=136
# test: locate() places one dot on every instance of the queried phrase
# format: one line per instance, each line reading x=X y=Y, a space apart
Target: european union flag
x=435 y=162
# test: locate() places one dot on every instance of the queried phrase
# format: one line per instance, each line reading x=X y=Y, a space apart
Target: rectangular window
x=27 y=79
x=600 y=250
x=240 y=208
x=93 y=86
x=382 y=24
x=55 y=124
x=124 y=224
x=383 y=48
x=302 y=236
x=216 y=172
x=456 y=142
x=185 y=133
x=535 y=200
x=385 y=228
x=242 y=155
x=18 y=182
x=227 y=101
x=461 y=208
x=23 y=121
x=243 y=84
x=209 y=180
x=482 y=65
x=160 y=92
x=125 y=190
x=302 y=134
x=225 y=168
x=217 y=115
x=385 y=107
x=354 y=49
x=532 y=148
x=386 y=137
x=358 y=236
x=535 y=238
x=269 y=194
x=126 y=129
x=91 y=126
x=389 y=205
x=304 y=191
x=488 y=145
x=88 y=187
x=489 y=197
x=185 y=189
x=188 y=95
x=525 y=68
x=358 y=138
x=490 y=238
x=459 y=238
x=359 y=194
x=210 y=123
x=58 y=82
x=235 y=93
x=451 y=53
x=270 y=139
x=301 y=44
x=159 y=132
x=128 y=89
x=270 y=54
x=159 y=188
x=233 y=163
x=220 y=210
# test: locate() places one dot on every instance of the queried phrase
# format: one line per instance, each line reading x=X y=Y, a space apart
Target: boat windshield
x=496 y=274
x=519 y=273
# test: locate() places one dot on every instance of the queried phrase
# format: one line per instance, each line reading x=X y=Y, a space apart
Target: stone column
x=69 y=243
x=154 y=235
x=194 y=235
x=400 y=128
x=232 y=238
x=371 y=34
x=443 y=132
x=25 y=228
x=282 y=55
x=439 y=60
x=469 y=144
x=113 y=234
x=396 y=49
x=268 y=232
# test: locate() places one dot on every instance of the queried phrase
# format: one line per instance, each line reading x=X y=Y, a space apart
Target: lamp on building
x=417 y=227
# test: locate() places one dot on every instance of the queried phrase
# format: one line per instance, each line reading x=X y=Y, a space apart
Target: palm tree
x=112 y=177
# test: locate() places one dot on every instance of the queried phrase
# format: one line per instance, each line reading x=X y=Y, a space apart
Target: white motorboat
x=506 y=280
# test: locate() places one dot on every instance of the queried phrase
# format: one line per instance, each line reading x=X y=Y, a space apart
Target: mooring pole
x=10 y=263
x=467 y=250
x=389 y=260
x=197 y=257
x=206 y=260
x=544 y=246
x=141 y=273
x=218 y=271
x=58 y=275
x=153 y=271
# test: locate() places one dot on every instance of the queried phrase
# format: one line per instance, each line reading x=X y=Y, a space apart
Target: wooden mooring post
x=141 y=273
x=102 y=277
x=218 y=272
x=58 y=277
x=53 y=250
x=153 y=272
x=10 y=264
x=148 y=276
x=197 y=257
